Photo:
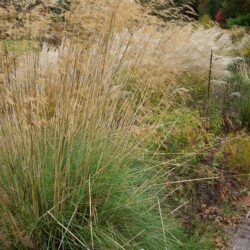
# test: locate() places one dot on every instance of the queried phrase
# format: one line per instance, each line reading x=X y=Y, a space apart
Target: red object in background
x=219 y=17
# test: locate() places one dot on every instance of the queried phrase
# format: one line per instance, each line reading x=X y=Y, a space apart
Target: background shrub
x=240 y=21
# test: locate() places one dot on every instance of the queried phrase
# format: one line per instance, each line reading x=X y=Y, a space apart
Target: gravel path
x=241 y=236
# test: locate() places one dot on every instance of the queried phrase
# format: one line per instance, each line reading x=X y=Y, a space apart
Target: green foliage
x=237 y=148
x=235 y=8
x=239 y=20
x=212 y=6
x=196 y=87
x=189 y=133
x=18 y=47
x=206 y=21
x=186 y=126
x=202 y=7
x=122 y=213
x=240 y=103
x=245 y=111
x=245 y=52
x=237 y=11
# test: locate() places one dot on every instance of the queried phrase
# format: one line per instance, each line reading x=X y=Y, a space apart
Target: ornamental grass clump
x=73 y=174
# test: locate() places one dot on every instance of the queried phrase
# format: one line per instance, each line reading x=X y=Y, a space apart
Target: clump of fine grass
x=238 y=103
x=72 y=173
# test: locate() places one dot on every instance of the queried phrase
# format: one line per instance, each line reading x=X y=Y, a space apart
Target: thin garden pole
x=209 y=76
x=209 y=87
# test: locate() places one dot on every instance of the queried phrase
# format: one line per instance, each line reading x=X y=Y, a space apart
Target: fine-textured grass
x=78 y=196
x=90 y=133
x=73 y=175
x=239 y=101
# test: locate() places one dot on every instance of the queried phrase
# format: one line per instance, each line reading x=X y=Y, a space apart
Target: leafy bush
x=233 y=8
x=240 y=21
x=211 y=7
x=188 y=134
